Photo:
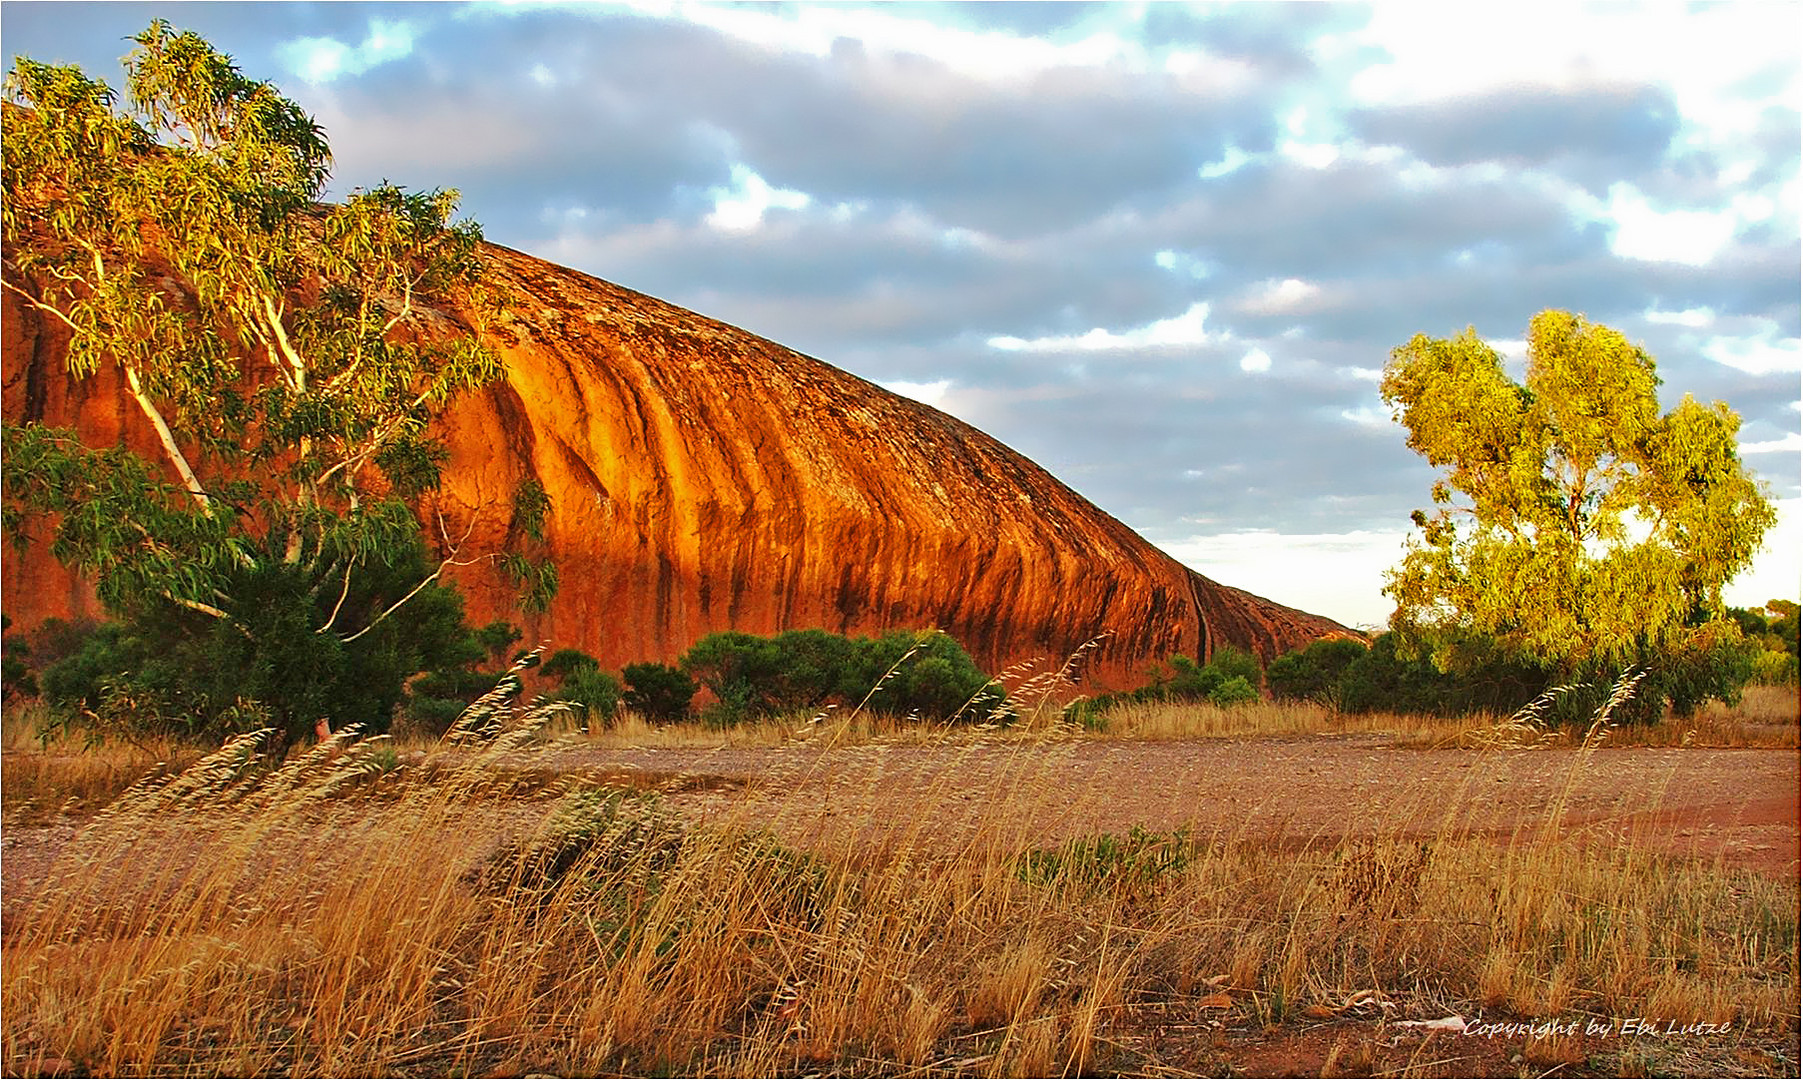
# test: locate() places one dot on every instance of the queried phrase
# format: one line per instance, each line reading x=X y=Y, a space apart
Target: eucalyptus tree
x=1573 y=521
x=289 y=356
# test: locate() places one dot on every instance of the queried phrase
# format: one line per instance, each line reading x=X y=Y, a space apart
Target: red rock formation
x=702 y=478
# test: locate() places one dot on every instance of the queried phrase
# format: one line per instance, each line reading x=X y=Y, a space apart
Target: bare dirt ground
x=1740 y=806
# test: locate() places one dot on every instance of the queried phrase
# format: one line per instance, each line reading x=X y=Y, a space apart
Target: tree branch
x=346 y=591
x=166 y=437
x=196 y=605
x=448 y=561
x=298 y=367
x=41 y=306
x=406 y=309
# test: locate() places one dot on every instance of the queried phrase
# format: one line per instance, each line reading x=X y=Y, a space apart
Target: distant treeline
x=106 y=678
x=1388 y=676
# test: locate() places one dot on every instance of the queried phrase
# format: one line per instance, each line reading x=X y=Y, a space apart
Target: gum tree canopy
x=1573 y=521
x=289 y=356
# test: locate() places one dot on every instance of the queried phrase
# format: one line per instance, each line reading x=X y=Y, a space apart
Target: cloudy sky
x=1162 y=250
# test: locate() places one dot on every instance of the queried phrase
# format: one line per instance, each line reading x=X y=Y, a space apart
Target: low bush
x=1774 y=668
x=901 y=673
x=595 y=693
x=1313 y=673
x=467 y=669
x=1483 y=676
x=16 y=677
x=658 y=692
x=138 y=678
x=1235 y=691
x=1141 y=858
x=1232 y=676
x=907 y=673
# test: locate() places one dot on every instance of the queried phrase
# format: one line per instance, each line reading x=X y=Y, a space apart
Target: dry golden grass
x=42 y=779
x=332 y=916
x=1767 y=717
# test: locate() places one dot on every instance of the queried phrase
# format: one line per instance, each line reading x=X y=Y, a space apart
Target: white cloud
x=322 y=59
x=1367 y=417
x=927 y=393
x=742 y=206
x=1692 y=237
x=1313 y=155
x=1777 y=571
x=1231 y=162
x=1179 y=330
x=1339 y=575
x=1704 y=53
x=1210 y=76
x=814 y=30
x=1790 y=444
x=1178 y=262
x=1509 y=348
x=1256 y=361
x=1284 y=297
x=1695 y=318
x=1759 y=355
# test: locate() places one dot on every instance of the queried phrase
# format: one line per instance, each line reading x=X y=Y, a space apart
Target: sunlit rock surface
x=703 y=479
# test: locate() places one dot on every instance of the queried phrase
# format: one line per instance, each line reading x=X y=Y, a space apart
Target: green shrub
x=16 y=676
x=1313 y=673
x=566 y=662
x=901 y=673
x=595 y=693
x=937 y=680
x=140 y=680
x=467 y=668
x=1230 y=662
x=1139 y=859
x=168 y=668
x=1382 y=679
x=809 y=667
x=582 y=683
x=436 y=714
x=732 y=665
x=1785 y=622
x=658 y=692
x=1773 y=633
x=1484 y=677
x=614 y=845
x=1186 y=681
x=1234 y=691
x=732 y=705
x=1772 y=667
x=1715 y=664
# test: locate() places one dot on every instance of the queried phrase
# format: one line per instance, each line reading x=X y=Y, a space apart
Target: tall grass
x=336 y=915
x=44 y=775
x=1766 y=717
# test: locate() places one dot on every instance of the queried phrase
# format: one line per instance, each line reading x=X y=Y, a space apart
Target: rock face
x=703 y=478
